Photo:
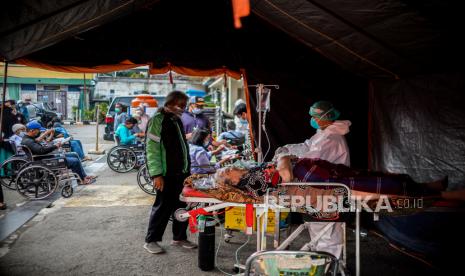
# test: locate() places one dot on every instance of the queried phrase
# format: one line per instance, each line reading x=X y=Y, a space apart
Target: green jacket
x=167 y=151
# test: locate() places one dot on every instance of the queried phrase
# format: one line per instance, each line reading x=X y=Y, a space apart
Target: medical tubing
x=237 y=251
x=218 y=250
x=267 y=138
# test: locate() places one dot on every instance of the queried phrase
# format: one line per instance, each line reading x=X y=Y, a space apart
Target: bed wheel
x=178 y=213
x=227 y=236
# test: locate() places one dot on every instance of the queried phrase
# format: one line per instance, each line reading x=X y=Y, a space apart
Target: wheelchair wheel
x=36 y=182
x=144 y=181
x=121 y=159
x=10 y=169
x=67 y=191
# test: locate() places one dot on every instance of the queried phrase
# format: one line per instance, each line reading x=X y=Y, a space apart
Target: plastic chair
x=277 y=263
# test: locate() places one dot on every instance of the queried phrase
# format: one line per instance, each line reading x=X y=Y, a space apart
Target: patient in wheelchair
x=60 y=134
x=126 y=137
x=36 y=148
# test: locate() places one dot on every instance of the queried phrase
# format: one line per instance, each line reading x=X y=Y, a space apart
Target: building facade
x=61 y=91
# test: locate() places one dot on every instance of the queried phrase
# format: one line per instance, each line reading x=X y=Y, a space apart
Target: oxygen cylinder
x=206 y=252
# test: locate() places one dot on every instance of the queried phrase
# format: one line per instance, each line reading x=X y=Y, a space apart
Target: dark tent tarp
x=282 y=42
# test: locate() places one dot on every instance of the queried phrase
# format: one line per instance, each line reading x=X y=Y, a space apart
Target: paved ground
x=100 y=231
x=86 y=133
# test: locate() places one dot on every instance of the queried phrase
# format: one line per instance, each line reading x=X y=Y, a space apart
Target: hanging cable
x=267 y=137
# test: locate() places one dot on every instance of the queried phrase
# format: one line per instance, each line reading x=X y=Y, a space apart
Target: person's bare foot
x=454 y=195
x=87 y=158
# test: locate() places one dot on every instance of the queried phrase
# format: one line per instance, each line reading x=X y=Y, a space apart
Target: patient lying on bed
x=235 y=184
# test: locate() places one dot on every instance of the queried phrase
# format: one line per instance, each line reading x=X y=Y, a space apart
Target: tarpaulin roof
x=372 y=38
x=285 y=42
x=28 y=26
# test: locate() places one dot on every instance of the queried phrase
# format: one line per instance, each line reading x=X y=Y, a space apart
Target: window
x=74 y=88
x=51 y=87
x=28 y=87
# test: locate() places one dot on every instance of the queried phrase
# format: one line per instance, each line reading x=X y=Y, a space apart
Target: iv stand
x=260 y=87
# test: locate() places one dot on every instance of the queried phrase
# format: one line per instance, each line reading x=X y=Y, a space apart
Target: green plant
x=88 y=114
x=74 y=109
x=103 y=108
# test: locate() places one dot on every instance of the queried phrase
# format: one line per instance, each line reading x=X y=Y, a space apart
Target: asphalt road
x=101 y=229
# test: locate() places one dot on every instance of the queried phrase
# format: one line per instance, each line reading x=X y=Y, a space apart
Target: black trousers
x=165 y=204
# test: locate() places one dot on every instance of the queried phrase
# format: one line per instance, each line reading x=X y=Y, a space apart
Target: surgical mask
x=197 y=111
x=314 y=124
x=206 y=144
x=22 y=133
x=117 y=110
x=243 y=121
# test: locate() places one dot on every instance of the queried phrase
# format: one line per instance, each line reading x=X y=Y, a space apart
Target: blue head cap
x=34 y=125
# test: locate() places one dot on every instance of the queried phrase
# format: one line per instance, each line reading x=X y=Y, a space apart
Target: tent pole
x=5 y=79
x=86 y=106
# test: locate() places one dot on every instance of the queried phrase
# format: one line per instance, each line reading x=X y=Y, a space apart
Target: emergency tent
x=386 y=64
x=392 y=67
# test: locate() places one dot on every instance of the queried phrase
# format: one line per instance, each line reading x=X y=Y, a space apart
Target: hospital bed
x=209 y=204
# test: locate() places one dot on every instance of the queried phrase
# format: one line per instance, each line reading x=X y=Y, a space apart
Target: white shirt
x=17 y=139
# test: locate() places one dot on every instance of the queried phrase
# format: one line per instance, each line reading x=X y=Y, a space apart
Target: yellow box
x=235 y=219
x=271 y=222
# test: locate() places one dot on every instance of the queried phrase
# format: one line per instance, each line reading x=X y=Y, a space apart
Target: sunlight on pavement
x=110 y=195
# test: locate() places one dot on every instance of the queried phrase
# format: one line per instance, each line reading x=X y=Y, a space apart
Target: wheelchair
x=38 y=176
x=144 y=181
x=11 y=167
x=124 y=158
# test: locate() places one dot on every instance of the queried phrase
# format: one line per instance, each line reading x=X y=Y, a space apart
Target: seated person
x=200 y=158
x=124 y=132
x=136 y=129
x=76 y=145
x=232 y=136
x=19 y=131
x=32 y=131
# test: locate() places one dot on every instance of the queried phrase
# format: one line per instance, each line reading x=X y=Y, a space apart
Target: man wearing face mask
x=328 y=143
x=168 y=164
x=10 y=117
x=120 y=116
x=194 y=118
x=72 y=162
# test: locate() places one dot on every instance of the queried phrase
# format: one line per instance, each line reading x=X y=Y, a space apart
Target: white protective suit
x=330 y=145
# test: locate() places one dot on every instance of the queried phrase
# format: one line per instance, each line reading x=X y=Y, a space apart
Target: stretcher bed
x=210 y=204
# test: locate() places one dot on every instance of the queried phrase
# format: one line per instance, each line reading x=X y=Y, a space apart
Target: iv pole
x=260 y=88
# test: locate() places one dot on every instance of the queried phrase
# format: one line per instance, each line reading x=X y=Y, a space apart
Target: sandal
x=87 y=181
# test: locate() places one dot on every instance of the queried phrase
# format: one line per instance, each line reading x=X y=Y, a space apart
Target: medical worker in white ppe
x=328 y=144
